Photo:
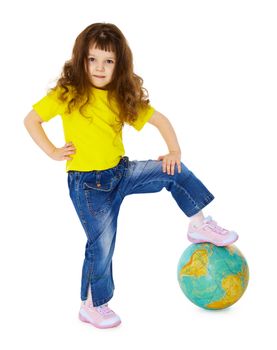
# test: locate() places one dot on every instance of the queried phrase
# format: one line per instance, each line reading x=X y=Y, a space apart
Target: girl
x=95 y=95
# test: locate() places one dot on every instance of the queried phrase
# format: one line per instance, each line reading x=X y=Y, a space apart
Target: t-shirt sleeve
x=143 y=116
x=49 y=106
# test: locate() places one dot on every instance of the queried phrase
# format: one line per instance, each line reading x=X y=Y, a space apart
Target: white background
x=210 y=67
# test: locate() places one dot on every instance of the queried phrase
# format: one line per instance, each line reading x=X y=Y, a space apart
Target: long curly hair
x=125 y=87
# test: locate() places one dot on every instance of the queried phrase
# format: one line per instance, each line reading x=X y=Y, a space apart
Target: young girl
x=95 y=95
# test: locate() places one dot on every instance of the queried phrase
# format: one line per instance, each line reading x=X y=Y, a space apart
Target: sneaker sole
x=193 y=240
x=83 y=319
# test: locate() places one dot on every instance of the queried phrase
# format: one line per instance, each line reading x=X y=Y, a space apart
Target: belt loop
x=126 y=161
x=77 y=177
x=126 y=166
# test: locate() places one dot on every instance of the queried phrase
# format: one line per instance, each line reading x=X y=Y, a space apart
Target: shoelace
x=213 y=225
x=103 y=309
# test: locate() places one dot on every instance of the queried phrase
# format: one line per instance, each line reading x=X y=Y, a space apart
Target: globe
x=213 y=277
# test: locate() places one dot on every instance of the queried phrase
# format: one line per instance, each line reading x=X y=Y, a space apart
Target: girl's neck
x=98 y=88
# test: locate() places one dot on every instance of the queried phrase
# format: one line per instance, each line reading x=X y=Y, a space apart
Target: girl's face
x=101 y=65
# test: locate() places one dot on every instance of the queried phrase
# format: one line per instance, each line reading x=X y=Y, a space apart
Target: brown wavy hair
x=125 y=86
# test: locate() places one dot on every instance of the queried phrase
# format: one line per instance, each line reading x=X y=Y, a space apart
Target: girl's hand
x=169 y=161
x=63 y=152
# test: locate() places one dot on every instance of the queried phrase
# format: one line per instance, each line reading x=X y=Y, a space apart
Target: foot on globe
x=209 y=231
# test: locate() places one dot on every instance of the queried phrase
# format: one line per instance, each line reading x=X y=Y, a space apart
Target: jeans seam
x=201 y=205
x=102 y=301
x=177 y=185
x=197 y=206
x=187 y=193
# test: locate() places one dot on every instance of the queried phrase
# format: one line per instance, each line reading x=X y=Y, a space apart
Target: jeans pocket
x=99 y=192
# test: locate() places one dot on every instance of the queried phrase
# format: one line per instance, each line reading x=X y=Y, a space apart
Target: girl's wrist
x=175 y=152
x=50 y=151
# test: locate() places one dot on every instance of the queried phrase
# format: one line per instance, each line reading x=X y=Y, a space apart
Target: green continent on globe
x=213 y=277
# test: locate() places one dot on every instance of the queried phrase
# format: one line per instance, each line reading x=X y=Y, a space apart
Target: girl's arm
x=166 y=129
x=33 y=123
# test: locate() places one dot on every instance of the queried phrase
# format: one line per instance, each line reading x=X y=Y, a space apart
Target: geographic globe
x=213 y=277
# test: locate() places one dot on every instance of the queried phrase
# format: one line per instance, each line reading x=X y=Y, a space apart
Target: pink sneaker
x=210 y=232
x=100 y=316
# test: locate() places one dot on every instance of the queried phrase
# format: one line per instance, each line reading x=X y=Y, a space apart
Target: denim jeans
x=97 y=196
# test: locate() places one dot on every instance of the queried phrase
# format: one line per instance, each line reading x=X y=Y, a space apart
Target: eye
x=91 y=59
x=110 y=61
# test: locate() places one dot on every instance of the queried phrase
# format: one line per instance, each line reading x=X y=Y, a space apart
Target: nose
x=100 y=67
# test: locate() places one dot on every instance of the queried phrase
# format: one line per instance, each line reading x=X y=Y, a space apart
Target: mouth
x=99 y=76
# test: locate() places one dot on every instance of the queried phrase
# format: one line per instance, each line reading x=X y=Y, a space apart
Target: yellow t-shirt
x=98 y=145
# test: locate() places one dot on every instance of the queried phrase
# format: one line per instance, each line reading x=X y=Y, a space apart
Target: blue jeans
x=97 y=196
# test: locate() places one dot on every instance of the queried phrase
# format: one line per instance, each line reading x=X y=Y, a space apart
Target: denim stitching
x=102 y=301
x=172 y=181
